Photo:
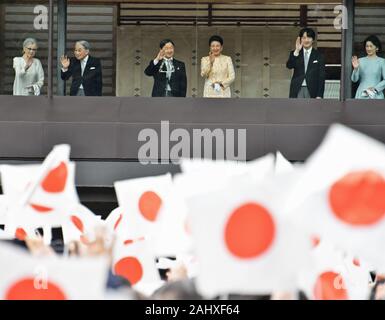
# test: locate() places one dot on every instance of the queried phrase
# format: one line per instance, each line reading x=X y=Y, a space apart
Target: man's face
x=307 y=41
x=80 y=52
x=168 y=50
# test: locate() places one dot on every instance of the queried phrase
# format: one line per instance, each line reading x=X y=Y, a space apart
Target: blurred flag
x=135 y=261
x=341 y=194
x=242 y=242
x=38 y=195
x=151 y=207
x=80 y=224
x=24 y=277
x=331 y=275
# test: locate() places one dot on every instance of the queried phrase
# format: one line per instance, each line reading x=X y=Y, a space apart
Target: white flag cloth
x=80 y=224
x=24 y=277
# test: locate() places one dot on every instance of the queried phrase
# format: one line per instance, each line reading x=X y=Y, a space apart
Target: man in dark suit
x=86 y=71
x=308 y=79
x=169 y=74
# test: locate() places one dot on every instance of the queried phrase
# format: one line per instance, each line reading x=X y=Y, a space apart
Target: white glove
x=369 y=93
x=36 y=90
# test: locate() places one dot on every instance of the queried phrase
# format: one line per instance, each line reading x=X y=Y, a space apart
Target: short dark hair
x=373 y=39
x=164 y=42
x=309 y=31
x=216 y=38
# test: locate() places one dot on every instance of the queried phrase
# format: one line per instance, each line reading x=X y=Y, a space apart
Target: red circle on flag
x=40 y=209
x=330 y=286
x=149 y=205
x=359 y=198
x=129 y=268
x=118 y=221
x=78 y=223
x=25 y=290
x=56 y=179
x=20 y=234
x=249 y=231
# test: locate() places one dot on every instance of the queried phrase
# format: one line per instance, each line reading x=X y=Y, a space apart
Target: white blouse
x=28 y=82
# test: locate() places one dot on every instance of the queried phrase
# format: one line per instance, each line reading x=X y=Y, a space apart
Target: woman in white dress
x=29 y=74
x=218 y=70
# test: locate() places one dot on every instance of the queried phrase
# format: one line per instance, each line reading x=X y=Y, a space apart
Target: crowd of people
x=170 y=80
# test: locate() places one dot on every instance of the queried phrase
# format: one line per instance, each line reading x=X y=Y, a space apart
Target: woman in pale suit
x=370 y=71
x=218 y=70
x=29 y=74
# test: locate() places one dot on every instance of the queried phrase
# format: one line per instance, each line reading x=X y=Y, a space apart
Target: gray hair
x=85 y=44
x=29 y=41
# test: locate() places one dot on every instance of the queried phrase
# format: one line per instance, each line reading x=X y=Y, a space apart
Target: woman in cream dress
x=29 y=74
x=218 y=70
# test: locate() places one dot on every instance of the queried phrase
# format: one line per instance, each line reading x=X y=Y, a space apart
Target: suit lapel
x=175 y=63
x=87 y=64
x=302 y=60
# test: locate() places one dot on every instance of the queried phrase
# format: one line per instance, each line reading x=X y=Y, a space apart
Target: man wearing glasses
x=86 y=71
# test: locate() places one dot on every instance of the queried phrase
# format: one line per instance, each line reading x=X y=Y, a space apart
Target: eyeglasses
x=31 y=49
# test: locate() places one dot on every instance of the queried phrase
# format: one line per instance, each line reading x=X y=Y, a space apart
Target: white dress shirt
x=304 y=59
x=156 y=61
x=83 y=64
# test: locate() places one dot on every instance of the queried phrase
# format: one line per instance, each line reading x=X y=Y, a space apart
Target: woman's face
x=30 y=50
x=216 y=48
x=371 y=49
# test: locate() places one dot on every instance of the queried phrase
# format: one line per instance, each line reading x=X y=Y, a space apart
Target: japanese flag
x=242 y=242
x=38 y=195
x=341 y=194
x=151 y=207
x=24 y=277
x=134 y=260
x=333 y=275
x=141 y=200
x=80 y=224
